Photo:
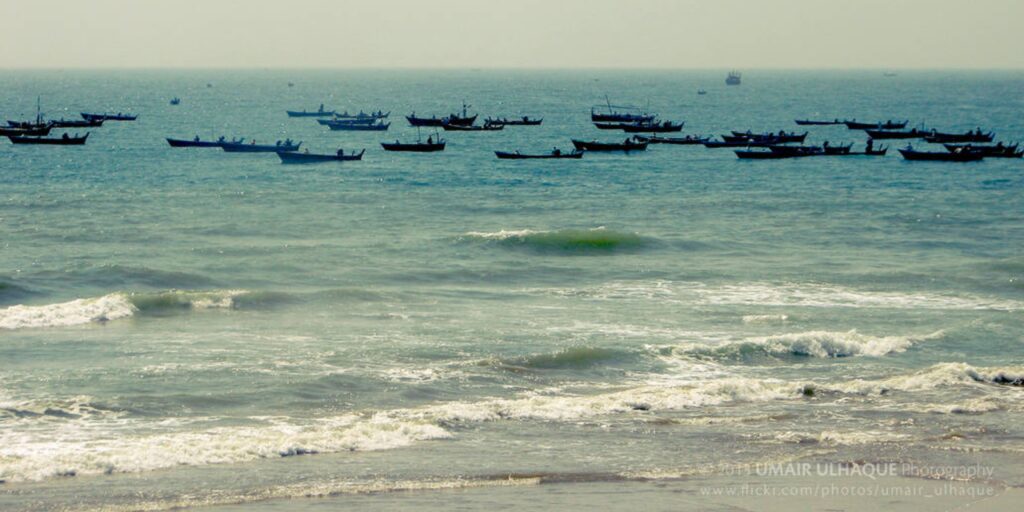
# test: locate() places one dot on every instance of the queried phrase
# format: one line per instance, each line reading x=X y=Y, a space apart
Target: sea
x=189 y=328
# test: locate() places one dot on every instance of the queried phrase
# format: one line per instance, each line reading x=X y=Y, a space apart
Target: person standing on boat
x=341 y=152
x=430 y=139
x=871 y=145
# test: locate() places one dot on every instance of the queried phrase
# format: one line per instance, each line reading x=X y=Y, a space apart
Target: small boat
x=734 y=78
x=76 y=123
x=294 y=157
x=975 y=136
x=350 y=120
x=701 y=92
x=197 y=143
x=896 y=134
x=63 y=140
x=320 y=112
x=487 y=127
x=808 y=122
x=625 y=114
x=109 y=117
x=363 y=116
x=346 y=126
x=887 y=125
x=611 y=126
x=746 y=154
x=997 y=151
x=523 y=121
x=714 y=144
x=781 y=137
x=961 y=156
x=415 y=147
x=252 y=147
x=175 y=101
x=29 y=125
x=22 y=132
x=796 y=151
x=681 y=141
x=504 y=155
x=654 y=127
x=452 y=119
x=836 y=150
x=424 y=121
x=626 y=145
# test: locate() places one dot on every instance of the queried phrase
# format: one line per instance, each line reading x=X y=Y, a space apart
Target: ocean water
x=185 y=327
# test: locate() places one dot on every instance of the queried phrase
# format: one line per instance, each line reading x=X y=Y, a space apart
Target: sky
x=671 y=34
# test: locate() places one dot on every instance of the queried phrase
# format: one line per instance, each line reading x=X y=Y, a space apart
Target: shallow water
x=188 y=327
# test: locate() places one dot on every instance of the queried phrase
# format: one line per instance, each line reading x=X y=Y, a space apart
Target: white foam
x=503 y=234
x=76 y=312
x=89 y=451
x=942 y=375
x=762 y=294
x=822 y=344
x=752 y=319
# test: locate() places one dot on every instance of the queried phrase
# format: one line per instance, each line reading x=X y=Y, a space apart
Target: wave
x=116 y=306
x=569 y=358
x=57 y=408
x=758 y=294
x=939 y=376
x=34 y=461
x=566 y=241
x=817 y=344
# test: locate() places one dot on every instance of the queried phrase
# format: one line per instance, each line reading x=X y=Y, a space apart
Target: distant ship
x=733 y=78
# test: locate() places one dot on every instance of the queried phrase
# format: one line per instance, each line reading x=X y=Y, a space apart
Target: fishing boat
x=523 y=121
x=701 y=92
x=320 y=112
x=63 y=140
x=345 y=126
x=175 y=101
x=625 y=114
x=505 y=155
x=809 y=122
x=975 y=136
x=452 y=119
x=415 y=147
x=781 y=137
x=76 y=123
x=35 y=125
x=197 y=143
x=611 y=126
x=362 y=115
x=29 y=125
x=252 y=147
x=734 y=78
x=293 y=157
x=486 y=127
x=349 y=120
x=747 y=154
x=961 y=156
x=796 y=151
x=715 y=144
x=30 y=132
x=109 y=117
x=626 y=145
x=689 y=140
x=654 y=127
x=913 y=133
x=997 y=151
x=433 y=122
x=886 y=125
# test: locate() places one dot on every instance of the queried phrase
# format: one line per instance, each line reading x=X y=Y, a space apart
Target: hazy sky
x=739 y=34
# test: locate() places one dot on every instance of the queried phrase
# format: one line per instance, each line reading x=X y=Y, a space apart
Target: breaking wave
x=116 y=306
x=566 y=241
x=819 y=344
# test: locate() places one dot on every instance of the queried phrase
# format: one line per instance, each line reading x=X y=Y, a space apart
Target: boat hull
x=941 y=157
x=108 y=117
x=324 y=113
x=853 y=125
x=503 y=155
x=680 y=141
x=258 y=148
x=348 y=127
x=886 y=134
x=54 y=141
x=185 y=143
x=607 y=146
x=413 y=148
x=288 y=157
